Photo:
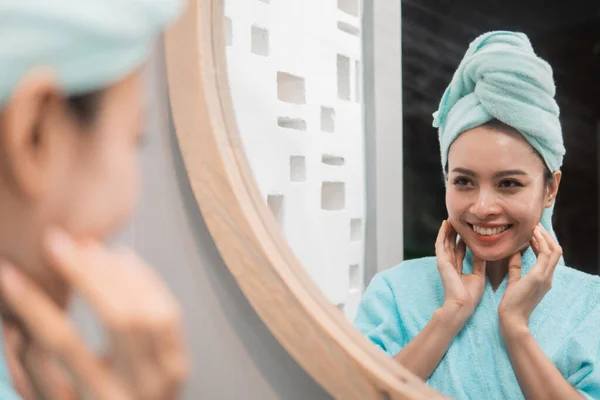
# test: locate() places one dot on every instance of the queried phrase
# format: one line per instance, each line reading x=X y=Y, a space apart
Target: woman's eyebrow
x=464 y=171
x=498 y=174
x=509 y=172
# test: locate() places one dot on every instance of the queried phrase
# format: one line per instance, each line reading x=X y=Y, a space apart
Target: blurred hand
x=48 y=358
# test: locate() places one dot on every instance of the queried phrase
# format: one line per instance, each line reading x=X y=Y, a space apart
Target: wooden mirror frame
x=314 y=332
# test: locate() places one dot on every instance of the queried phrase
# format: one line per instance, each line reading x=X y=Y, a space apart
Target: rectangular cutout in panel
x=332 y=160
x=349 y=6
x=275 y=203
x=348 y=28
x=343 y=77
x=290 y=88
x=228 y=32
x=333 y=196
x=298 y=168
x=327 y=119
x=354 y=277
x=357 y=79
x=355 y=229
x=260 y=41
x=292 y=123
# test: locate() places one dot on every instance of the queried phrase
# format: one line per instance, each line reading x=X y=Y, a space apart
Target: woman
x=496 y=314
x=70 y=123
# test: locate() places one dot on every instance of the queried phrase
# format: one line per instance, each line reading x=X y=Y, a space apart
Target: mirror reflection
x=497 y=290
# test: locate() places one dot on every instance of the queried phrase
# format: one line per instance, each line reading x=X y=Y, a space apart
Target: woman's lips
x=488 y=234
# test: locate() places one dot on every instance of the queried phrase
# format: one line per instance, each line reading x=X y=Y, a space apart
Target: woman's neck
x=496 y=271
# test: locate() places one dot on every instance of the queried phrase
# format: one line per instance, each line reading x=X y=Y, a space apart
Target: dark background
x=435 y=36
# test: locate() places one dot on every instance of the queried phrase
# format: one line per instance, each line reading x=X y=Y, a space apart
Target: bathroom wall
x=295 y=71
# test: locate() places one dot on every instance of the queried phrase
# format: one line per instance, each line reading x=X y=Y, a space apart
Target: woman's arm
x=538 y=376
x=422 y=355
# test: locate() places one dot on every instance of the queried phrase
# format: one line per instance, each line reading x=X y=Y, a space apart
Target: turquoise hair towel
x=88 y=44
x=501 y=77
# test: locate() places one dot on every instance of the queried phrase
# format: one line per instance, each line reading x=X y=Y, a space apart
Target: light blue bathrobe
x=399 y=302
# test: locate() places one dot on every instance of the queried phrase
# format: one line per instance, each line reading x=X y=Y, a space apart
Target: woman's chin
x=490 y=254
x=498 y=253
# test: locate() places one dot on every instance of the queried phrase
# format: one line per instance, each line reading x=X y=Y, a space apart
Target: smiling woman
x=479 y=320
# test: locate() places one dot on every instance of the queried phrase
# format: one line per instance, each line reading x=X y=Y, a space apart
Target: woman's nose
x=485 y=204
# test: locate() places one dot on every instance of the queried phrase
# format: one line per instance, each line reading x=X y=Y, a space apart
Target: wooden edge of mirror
x=308 y=326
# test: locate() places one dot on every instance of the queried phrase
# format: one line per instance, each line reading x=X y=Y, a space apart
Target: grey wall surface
x=384 y=240
x=234 y=355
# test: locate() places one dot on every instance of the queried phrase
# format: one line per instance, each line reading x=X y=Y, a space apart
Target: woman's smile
x=489 y=234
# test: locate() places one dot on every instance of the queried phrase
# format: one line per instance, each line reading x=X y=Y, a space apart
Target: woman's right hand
x=147 y=358
x=462 y=292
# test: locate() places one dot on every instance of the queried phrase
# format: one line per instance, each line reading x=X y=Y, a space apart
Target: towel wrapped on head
x=501 y=77
x=87 y=44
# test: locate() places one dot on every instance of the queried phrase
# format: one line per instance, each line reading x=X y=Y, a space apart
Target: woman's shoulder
x=410 y=272
x=578 y=282
x=574 y=276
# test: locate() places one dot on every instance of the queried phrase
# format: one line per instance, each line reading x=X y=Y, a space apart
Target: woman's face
x=59 y=170
x=103 y=183
x=496 y=192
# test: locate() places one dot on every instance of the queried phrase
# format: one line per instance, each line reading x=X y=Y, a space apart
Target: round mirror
x=336 y=127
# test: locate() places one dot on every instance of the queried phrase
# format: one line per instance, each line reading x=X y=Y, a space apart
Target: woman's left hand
x=523 y=294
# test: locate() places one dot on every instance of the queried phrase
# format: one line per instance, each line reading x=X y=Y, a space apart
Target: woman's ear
x=29 y=124
x=552 y=189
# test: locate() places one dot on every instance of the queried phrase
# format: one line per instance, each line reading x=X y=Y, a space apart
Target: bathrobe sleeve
x=586 y=378
x=378 y=317
x=579 y=357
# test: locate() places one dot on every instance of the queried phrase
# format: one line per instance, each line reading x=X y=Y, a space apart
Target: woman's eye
x=510 y=184
x=462 y=181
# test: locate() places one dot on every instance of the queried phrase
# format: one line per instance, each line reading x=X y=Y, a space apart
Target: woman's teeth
x=489 y=231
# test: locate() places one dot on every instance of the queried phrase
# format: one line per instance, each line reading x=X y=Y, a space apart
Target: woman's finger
x=478 y=266
x=514 y=268
x=451 y=238
x=47 y=325
x=541 y=242
x=14 y=344
x=49 y=380
x=441 y=237
x=137 y=363
x=535 y=246
x=555 y=249
x=459 y=255
x=172 y=356
x=543 y=256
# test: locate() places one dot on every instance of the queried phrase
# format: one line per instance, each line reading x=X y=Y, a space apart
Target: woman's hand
x=146 y=359
x=462 y=292
x=522 y=295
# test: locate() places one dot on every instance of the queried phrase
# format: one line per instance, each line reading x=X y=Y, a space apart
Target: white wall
x=295 y=76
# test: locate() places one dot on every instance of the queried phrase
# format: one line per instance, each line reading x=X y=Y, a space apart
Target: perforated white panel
x=295 y=77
